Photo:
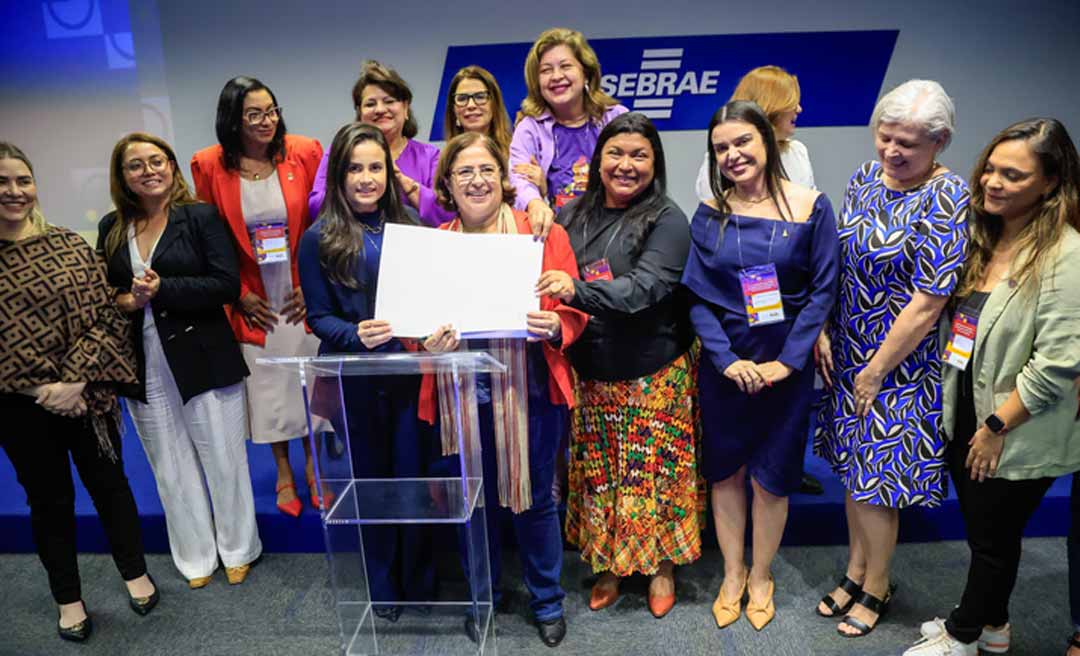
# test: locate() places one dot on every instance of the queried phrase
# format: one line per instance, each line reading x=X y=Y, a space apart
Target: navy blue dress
x=765 y=432
x=386 y=438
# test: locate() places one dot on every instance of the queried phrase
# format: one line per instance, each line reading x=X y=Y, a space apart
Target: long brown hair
x=37 y=219
x=128 y=206
x=341 y=237
x=1056 y=153
x=499 y=130
x=596 y=101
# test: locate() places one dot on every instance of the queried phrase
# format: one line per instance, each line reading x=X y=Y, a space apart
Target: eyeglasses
x=257 y=116
x=480 y=98
x=156 y=164
x=467 y=174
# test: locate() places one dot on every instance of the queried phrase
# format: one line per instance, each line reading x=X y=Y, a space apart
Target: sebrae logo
x=680 y=81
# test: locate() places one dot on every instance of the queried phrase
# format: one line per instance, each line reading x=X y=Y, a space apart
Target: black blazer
x=196 y=261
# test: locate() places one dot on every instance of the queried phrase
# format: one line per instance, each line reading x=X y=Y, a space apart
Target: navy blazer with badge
x=196 y=261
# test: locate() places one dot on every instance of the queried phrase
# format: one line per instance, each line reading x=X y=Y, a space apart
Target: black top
x=196 y=261
x=639 y=321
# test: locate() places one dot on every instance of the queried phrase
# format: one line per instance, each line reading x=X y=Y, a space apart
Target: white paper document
x=482 y=284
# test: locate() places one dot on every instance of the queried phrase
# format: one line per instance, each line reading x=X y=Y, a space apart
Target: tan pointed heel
x=725 y=611
x=761 y=614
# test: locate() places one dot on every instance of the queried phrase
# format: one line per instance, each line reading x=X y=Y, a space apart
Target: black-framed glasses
x=156 y=164
x=467 y=174
x=480 y=98
x=257 y=116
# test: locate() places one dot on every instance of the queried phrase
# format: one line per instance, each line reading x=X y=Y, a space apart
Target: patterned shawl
x=510 y=407
x=59 y=323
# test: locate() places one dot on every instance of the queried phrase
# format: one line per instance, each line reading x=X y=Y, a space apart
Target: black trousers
x=995 y=513
x=38 y=443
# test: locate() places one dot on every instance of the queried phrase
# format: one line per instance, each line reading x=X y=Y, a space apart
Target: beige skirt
x=275 y=401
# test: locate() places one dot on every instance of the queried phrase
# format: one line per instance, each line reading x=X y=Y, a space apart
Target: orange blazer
x=221 y=187
x=557 y=255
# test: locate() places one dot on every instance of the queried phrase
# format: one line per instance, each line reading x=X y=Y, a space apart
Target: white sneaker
x=942 y=644
x=994 y=641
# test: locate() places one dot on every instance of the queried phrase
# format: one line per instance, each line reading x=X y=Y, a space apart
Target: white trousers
x=189 y=445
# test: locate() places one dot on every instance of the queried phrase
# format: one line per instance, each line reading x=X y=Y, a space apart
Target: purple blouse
x=418 y=161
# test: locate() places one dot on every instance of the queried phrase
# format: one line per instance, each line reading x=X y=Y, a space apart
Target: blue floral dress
x=892 y=244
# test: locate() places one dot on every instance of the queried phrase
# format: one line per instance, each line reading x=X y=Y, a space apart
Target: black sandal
x=848 y=586
x=872 y=604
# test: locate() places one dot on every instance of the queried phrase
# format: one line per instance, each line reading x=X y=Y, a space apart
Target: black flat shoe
x=143 y=605
x=390 y=613
x=553 y=631
x=847 y=585
x=811 y=485
x=471 y=630
x=872 y=604
x=78 y=633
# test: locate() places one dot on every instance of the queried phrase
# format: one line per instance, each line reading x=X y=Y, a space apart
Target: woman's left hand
x=867 y=386
x=63 y=399
x=294 y=309
x=410 y=187
x=445 y=338
x=774 y=371
x=145 y=288
x=544 y=325
x=557 y=284
x=985 y=453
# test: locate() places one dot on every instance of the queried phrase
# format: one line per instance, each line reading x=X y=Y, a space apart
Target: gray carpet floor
x=286 y=607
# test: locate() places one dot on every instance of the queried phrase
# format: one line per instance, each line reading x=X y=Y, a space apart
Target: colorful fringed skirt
x=635 y=497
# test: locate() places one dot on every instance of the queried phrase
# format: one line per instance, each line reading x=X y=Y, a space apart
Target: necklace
x=749 y=201
x=373 y=229
x=258 y=171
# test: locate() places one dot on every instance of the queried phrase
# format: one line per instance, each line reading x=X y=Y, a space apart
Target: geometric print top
x=892 y=244
x=59 y=321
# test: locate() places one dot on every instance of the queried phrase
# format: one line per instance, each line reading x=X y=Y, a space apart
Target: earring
x=586 y=87
x=457 y=122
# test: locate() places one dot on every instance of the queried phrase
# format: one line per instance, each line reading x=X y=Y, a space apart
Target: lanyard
x=738 y=240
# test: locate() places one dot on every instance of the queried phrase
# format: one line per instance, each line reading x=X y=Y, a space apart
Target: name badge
x=761 y=294
x=598 y=270
x=962 y=339
x=271 y=243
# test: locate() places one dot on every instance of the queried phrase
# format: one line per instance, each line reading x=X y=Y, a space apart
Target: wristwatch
x=996 y=424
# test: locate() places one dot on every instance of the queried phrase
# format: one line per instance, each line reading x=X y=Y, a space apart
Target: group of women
x=682 y=354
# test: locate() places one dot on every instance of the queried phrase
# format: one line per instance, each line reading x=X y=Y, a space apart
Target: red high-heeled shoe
x=293 y=507
x=328 y=497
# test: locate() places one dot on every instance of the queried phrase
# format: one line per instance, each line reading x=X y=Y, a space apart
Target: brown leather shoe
x=236 y=575
x=660 y=605
x=199 y=582
x=602 y=597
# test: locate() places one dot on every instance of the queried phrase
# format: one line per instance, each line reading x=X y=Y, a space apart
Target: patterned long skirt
x=635 y=496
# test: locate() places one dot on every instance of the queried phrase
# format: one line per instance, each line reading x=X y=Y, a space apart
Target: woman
x=475 y=104
x=1009 y=398
x=259 y=178
x=339 y=269
x=173 y=265
x=558 y=124
x=634 y=501
x=902 y=239
x=472 y=179
x=58 y=393
x=383 y=99
x=757 y=231
x=777 y=93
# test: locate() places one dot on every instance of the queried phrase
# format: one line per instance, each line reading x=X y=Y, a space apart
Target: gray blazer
x=1029 y=339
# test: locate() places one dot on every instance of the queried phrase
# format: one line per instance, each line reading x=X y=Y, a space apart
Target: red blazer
x=221 y=187
x=557 y=255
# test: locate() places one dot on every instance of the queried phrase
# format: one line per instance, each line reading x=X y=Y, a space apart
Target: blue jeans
x=537 y=529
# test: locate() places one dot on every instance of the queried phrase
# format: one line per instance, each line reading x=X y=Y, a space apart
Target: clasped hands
x=752 y=377
x=258 y=314
x=64 y=399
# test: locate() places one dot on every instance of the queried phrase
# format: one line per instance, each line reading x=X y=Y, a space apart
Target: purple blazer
x=418 y=161
x=533 y=137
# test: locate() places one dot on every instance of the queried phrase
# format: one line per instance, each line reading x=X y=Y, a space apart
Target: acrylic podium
x=432 y=626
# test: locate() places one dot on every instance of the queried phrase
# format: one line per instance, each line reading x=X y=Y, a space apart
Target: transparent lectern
x=370 y=626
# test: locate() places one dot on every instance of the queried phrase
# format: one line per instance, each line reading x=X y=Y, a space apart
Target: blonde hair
x=1060 y=207
x=596 y=101
x=128 y=206
x=499 y=130
x=773 y=89
x=37 y=219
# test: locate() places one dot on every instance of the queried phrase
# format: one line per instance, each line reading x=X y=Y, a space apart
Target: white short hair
x=922 y=102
